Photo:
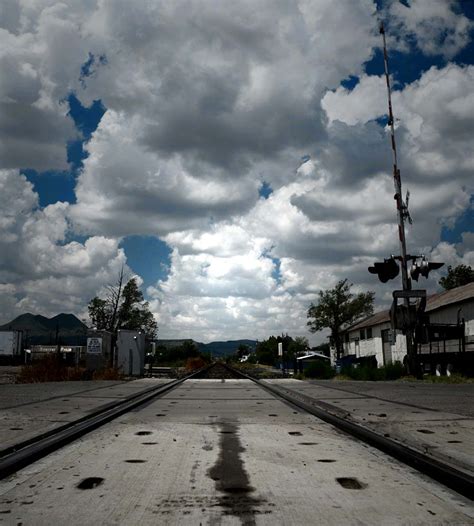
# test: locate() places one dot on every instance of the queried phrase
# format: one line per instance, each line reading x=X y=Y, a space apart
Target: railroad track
x=25 y=453
x=443 y=472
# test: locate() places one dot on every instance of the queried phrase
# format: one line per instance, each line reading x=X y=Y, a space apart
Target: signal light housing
x=423 y=268
x=386 y=270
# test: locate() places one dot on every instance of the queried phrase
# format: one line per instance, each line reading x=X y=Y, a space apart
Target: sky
x=233 y=156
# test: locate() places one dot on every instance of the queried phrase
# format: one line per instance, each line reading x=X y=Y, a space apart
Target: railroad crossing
x=221 y=449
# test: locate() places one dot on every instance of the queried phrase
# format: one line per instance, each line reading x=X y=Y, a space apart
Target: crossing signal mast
x=406 y=316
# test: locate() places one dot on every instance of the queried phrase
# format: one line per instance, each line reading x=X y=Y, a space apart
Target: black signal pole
x=402 y=214
x=401 y=208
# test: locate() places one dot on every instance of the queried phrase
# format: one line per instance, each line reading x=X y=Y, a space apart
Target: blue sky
x=178 y=160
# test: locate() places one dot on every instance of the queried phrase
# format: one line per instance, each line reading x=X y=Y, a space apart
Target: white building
x=371 y=337
x=10 y=343
x=131 y=352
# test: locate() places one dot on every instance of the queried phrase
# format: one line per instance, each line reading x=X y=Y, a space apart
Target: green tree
x=338 y=307
x=134 y=312
x=323 y=348
x=99 y=314
x=243 y=350
x=267 y=350
x=177 y=355
x=123 y=308
x=457 y=276
x=297 y=346
x=103 y=312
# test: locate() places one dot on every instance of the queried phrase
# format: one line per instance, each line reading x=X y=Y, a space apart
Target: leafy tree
x=297 y=346
x=103 y=312
x=243 y=350
x=267 y=350
x=114 y=294
x=125 y=311
x=99 y=313
x=338 y=307
x=179 y=354
x=134 y=313
x=189 y=349
x=457 y=276
x=323 y=348
x=252 y=358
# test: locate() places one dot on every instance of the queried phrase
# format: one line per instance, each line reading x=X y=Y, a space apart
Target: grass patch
x=453 y=379
x=258 y=370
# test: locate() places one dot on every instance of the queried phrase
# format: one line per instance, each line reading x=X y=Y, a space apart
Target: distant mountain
x=26 y=322
x=217 y=349
x=171 y=344
x=39 y=330
x=226 y=348
x=66 y=321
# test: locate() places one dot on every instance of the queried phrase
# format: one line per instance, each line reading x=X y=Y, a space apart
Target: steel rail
x=442 y=472
x=22 y=454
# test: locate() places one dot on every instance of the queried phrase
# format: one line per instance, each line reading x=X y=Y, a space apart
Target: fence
x=71 y=354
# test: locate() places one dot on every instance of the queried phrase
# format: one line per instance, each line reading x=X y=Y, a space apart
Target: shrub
x=194 y=363
x=49 y=369
x=394 y=371
x=110 y=373
x=319 y=369
x=368 y=373
x=453 y=379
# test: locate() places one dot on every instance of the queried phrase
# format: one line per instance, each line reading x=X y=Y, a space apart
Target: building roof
x=313 y=355
x=433 y=302
x=375 y=319
x=447 y=297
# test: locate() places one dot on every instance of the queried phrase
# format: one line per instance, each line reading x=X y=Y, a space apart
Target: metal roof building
x=371 y=336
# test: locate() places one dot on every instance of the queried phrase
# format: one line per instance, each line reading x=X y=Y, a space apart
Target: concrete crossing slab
x=241 y=468
x=31 y=410
x=12 y=395
x=441 y=434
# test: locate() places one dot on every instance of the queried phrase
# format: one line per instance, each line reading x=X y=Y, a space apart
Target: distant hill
x=217 y=349
x=171 y=344
x=39 y=330
x=226 y=348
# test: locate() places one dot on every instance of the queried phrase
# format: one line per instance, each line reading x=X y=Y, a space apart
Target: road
x=224 y=452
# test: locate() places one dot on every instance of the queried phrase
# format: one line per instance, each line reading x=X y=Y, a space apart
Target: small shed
x=99 y=351
x=305 y=360
x=131 y=352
